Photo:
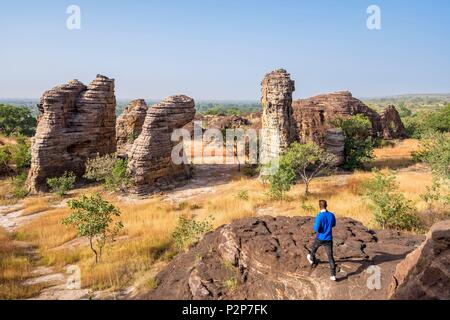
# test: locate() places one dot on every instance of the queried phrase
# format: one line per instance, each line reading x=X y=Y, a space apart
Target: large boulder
x=391 y=124
x=150 y=162
x=265 y=258
x=129 y=126
x=76 y=122
x=425 y=273
x=314 y=116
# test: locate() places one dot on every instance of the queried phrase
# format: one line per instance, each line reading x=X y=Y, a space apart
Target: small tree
x=189 y=230
x=435 y=152
x=16 y=120
x=359 y=145
x=308 y=161
x=21 y=154
x=60 y=185
x=281 y=181
x=390 y=207
x=93 y=218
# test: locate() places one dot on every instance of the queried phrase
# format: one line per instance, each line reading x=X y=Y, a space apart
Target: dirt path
x=207 y=179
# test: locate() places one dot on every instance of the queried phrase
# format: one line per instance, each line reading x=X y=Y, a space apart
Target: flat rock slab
x=265 y=258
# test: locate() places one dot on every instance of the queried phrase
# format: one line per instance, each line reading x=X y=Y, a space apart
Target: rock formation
x=76 y=123
x=312 y=119
x=314 y=116
x=150 y=164
x=277 y=88
x=129 y=126
x=425 y=273
x=265 y=258
x=391 y=124
x=334 y=143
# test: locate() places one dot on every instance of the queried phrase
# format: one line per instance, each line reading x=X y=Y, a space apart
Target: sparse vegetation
x=16 y=120
x=242 y=195
x=60 y=185
x=390 y=207
x=359 y=145
x=18 y=186
x=145 y=243
x=426 y=121
x=93 y=218
x=110 y=170
x=189 y=231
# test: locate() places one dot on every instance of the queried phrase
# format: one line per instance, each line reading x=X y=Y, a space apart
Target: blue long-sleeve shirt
x=324 y=224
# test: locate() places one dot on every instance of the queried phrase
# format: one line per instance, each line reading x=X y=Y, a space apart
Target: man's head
x=323 y=204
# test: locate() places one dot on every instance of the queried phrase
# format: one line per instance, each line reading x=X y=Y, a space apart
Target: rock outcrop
x=129 y=126
x=277 y=88
x=391 y=124
x=76 y=122
x=334 y=143
x=314 y=116
x=425 y=273
x=150 y=163
x=265 y=258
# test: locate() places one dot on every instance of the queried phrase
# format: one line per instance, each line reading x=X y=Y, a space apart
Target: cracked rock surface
x=265 y=258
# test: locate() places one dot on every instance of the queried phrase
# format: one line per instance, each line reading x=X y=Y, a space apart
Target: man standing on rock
x=323 y=227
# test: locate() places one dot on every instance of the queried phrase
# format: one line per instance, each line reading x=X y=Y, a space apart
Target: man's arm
x=317 y=224
x=334 y=221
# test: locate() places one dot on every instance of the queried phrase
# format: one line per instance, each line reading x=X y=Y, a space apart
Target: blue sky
x=222 y=49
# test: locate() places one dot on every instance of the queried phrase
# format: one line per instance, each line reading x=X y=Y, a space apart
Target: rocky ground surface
x=265 y=258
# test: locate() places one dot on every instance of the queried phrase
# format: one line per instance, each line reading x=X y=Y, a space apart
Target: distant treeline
x=227 y=108
x=413 y=102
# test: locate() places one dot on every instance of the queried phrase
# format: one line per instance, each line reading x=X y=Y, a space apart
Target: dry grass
x=15 y=267
x=6 y=199
x=36 y=205
x=396 y=156
x=146 y=238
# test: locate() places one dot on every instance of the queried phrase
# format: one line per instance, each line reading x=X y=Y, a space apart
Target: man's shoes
x=311 y=261
x=333 y=278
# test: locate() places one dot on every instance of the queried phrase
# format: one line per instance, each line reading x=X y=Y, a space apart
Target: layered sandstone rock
x=334 y=143
x=129 y=126
x=76 y=123
x=425 y=273
x=150 y=163
x=314 y=116
x=277 y=88
x=391 y=124
x=266 y=258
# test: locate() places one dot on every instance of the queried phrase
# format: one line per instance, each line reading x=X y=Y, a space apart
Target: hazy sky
x=222 y=49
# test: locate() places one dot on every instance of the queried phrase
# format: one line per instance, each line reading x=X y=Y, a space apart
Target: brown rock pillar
x=277 y=133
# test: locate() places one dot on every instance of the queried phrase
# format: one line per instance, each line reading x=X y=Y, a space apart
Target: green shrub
x=5 y=159
x=93 y=218
x=250 y=170
x=424 y=122
x=390 y=207
x=108 y=169
x=189 y=231
x=60 y=185
x=118 y=179
x=243 y=195
x=21 y=154
x=17 y=120
x=281 y=181
x=435 y=152
x=359 y=145
x=18 y=186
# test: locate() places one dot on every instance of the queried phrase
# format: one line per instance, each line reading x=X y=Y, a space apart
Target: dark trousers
x=329 y=248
